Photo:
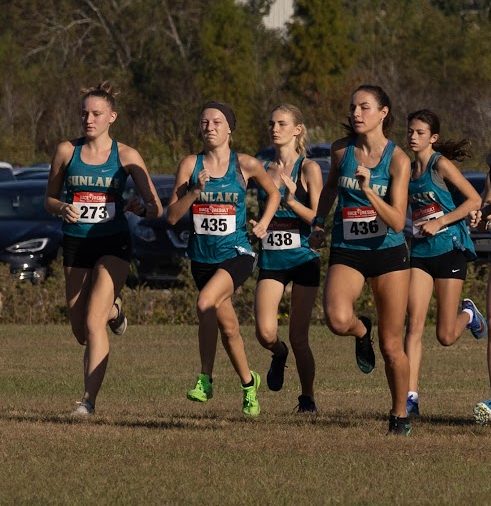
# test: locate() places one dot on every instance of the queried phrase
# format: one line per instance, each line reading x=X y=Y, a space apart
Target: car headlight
x=144 y=233
x=30 y=246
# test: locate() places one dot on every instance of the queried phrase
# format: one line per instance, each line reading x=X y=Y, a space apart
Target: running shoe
x=276 y=373
x=477 y=325
x=365 y=357
x=399 y=426
x=203 y=391
x=306 y=405
x=250 y=402
x=412 y=406
x=119 y=324
x=482 y=412
x=84 y=409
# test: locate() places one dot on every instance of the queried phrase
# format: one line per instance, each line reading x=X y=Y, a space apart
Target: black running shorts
x=372 y=263
x=84 y=252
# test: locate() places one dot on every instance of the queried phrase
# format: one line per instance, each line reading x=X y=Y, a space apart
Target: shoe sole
x=198 y=399
x=482 y=414
x=476 y=311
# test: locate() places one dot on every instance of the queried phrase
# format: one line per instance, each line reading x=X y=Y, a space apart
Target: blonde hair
x=302 y=138
x=103 y=90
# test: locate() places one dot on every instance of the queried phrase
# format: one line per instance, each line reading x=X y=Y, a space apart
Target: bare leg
x=302 y=302
x=420 y=291
x=391 y=293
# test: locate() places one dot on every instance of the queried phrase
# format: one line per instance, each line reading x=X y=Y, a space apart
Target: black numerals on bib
x=281 y=239
x=91 y=212
x=214 y=224
x=364 y=228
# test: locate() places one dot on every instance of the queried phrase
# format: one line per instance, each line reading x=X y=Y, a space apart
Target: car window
x=21 y=205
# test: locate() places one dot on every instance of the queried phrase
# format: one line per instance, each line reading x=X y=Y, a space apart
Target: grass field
x=149 y=445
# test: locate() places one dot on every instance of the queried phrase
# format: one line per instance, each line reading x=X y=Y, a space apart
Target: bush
x=24 y=303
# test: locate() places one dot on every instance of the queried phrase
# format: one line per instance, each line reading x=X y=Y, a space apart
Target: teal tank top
x=97 y=193
x=430 y=198
x=219 y=216
x=287 y=242
x=356 y=224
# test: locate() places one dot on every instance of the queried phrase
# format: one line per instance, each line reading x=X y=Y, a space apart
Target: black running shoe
x=365 y=357
x=399 y=426
x=306 y=405
x=276 y=373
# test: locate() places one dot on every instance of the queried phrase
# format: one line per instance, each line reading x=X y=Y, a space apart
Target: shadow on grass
x=214 y=421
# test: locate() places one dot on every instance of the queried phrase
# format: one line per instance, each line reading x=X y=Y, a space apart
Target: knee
x=391 y=349
x=204 y=305
x=445 y=338
x=266 y=336
x=80 y=332
x=299 y=345
x=339 y=323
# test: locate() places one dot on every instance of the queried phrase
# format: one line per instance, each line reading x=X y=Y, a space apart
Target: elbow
x=399 y=225
x=170 y=217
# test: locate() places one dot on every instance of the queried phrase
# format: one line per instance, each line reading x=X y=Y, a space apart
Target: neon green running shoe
x=203 y=390
x=250 y=403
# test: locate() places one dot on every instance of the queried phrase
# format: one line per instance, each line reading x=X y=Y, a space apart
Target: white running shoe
x=482 y=412
x=84 y=409
x=119 y=324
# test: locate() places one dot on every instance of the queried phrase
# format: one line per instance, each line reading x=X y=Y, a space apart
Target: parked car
x=29 y=237
x=40 y=171
x=158 y=248
x=6 y=172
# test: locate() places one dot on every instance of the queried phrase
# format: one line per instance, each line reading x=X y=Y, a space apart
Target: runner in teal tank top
x=96 y=191
x=441 y=246
x=370 y=177
x=219 y=216
x=356 y=225
x=287 y=242
x=96 y=242
x=212 y=185
x=286 y=256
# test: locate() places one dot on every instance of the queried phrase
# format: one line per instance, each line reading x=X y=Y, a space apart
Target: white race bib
x=282 y=235
x=94 y=207
x=214 y=219
x=426 y=213
x=362 y=223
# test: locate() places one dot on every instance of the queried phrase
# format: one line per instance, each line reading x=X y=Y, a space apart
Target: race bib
x=362 y=223
x=214 y=219
x=94 y=207
x=426 y=213
x=282 y=235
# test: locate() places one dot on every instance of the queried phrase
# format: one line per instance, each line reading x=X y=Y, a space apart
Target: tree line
x=168 y=57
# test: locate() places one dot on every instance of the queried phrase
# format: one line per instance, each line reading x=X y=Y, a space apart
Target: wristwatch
x=319 y=221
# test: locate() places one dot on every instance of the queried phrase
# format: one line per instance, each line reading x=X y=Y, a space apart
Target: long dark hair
x=453 y=150
x=383 y=100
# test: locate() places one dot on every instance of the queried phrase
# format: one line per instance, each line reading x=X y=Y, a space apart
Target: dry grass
x=149 y=445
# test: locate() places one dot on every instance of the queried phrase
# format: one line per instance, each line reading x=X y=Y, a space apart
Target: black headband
x=225 y=109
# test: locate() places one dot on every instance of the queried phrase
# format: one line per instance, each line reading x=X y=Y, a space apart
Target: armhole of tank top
x=73 y=155
x=238 y=171
x=115 y=147
x=349 y=146
x=435 y=176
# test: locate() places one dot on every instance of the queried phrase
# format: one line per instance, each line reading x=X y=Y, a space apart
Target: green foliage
x=168 y=57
